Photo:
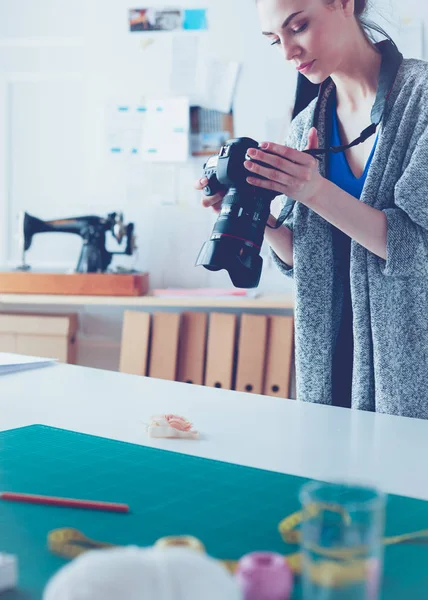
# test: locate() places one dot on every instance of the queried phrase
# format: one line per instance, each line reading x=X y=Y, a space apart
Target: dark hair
x=360 y=7
x=307 y=91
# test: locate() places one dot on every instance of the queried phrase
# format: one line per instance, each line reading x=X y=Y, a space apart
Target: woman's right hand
x=207 y=201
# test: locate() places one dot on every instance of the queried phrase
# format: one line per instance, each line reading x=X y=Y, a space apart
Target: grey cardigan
x=389 y=298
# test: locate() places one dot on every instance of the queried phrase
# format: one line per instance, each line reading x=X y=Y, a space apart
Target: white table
x=270 y=433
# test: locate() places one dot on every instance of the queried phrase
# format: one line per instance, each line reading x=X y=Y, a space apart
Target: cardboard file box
x=45 y=335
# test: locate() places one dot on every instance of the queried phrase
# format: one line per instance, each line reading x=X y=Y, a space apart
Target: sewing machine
x=94 y=257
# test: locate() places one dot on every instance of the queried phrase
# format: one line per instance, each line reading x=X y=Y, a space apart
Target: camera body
x=238 y=233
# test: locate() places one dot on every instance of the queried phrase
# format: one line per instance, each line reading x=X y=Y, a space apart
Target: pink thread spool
x=264 y=576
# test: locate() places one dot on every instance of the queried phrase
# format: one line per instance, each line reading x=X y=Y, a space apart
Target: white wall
x=60 y=64
x=392 y=15
x=59 y=71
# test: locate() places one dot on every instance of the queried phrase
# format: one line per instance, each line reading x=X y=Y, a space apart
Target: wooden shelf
x=225 y=121
x=74 y=284
x=280 y=301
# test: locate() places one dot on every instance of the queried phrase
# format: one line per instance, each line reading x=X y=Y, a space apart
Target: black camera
x=237 y=236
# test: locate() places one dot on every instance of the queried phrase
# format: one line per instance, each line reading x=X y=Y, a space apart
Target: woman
x=356 y=241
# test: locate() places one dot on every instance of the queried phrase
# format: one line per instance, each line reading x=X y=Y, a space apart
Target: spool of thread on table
x=181 y=541
x=264 y=576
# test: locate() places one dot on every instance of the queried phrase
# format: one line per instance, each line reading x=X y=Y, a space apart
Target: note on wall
x=166 y=130
x=195 y=19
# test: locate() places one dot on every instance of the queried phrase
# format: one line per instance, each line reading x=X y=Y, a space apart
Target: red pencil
x=64 y=502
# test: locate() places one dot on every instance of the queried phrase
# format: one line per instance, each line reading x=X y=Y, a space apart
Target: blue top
x=339 y=170
x=340 y=173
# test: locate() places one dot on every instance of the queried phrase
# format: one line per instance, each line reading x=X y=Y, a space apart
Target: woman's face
x=316 y=35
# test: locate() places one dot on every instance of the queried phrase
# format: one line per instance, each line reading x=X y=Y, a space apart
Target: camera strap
x=390 y=64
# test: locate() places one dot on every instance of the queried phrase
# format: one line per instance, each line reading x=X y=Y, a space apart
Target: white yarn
x=133 y=573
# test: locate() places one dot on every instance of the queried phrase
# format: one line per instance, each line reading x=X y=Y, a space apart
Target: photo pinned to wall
x=167 y=19
x=210 y=129
x=152 y=19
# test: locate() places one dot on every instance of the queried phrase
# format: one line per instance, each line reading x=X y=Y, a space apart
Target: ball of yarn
x=133 y=573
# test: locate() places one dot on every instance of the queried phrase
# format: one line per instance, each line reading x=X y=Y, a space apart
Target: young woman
x=356 y=241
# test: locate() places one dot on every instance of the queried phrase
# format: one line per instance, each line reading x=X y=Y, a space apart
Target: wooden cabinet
x=34 y=334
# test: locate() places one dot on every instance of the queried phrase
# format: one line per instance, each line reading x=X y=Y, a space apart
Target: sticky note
x=195 y=19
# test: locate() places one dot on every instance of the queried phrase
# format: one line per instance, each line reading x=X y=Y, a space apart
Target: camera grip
x=213 y=186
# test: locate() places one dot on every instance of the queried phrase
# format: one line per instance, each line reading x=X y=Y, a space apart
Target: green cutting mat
x=232 y=509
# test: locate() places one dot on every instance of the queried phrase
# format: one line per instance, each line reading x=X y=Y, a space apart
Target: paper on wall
x=166 y=130
x=124 y=126
x=219 y=83
x=184 y=81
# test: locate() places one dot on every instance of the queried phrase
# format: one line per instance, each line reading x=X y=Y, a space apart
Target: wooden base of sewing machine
x=74 y=284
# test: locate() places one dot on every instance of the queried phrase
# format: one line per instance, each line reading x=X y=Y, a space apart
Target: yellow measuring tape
x=70 y=543
x=326 y=571
x=335 y=567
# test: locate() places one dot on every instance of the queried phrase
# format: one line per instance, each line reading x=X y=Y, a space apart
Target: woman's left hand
x=294 y=174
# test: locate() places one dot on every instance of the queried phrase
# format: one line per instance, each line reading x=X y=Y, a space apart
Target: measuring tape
x=336 y=567
x=70 y=543
x=325 y=571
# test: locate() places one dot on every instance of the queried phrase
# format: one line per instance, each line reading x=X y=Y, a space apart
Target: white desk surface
x=271 y=433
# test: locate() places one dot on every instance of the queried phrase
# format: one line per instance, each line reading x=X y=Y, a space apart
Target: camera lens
x=238 y=233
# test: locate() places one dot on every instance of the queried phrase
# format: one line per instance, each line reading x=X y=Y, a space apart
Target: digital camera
x=238 y=233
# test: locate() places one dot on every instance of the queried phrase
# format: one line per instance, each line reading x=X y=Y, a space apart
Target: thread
x=264 y=576
x=181 y=541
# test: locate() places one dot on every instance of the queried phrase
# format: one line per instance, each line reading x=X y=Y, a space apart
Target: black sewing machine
x=94 y=257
